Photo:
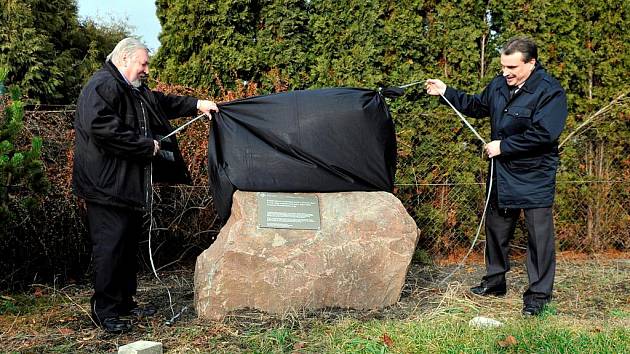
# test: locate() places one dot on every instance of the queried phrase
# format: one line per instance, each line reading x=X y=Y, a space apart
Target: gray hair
x=126 y=47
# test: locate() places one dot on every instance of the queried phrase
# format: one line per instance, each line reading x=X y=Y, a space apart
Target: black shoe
x=138 y=311
x=533 y=309
x=115 y=325
x=484 y=290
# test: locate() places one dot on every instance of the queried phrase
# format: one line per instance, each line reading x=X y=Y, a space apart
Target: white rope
x=183 y=126
x=174 y=316
x=411 y=84
x=464 y=119
x=485 y=208
x=483 y=217
x=150 y=202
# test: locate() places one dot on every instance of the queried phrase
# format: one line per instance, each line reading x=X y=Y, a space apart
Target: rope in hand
x=150 y=202
x=485 y=208
x=184 y=126
x=174 y=316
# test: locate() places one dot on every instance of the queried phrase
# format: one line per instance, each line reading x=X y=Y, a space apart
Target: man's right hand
x=156 y=147
x=207 y=106
x=435 y=87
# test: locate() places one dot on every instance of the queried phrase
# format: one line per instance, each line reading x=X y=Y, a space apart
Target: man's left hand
x=493 y=148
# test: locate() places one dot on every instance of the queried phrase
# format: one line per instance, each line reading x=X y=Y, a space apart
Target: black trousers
x=114 y=232
x=541 y=256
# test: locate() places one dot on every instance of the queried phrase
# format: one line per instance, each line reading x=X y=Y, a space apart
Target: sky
x=138 y=14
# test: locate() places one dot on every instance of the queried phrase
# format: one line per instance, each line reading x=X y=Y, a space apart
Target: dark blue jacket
x=528 y=126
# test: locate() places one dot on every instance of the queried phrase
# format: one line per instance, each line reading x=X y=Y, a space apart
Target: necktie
x=513 y=90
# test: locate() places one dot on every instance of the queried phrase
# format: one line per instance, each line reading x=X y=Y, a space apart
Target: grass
x=444 y=334
x=590 y=314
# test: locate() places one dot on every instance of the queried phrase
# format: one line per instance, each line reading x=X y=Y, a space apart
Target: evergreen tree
x=48 y=51
x=372 y=43
x=460 y=32
x=348 y=43
x=283 y=45
x=27 y=51
x=206 y=43
x=408 y=55
x=21 y=171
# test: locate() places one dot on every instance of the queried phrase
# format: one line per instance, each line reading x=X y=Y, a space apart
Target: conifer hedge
x=227 y=49
x=288 y=45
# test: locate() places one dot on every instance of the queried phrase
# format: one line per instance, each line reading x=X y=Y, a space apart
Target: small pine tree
x=22 y=174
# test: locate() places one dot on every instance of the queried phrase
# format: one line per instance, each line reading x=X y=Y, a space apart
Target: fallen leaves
x=298 y=346
x=509 y=341
x=387 y=340
x=66 y=331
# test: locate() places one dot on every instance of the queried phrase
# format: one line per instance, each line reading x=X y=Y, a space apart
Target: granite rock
x=357 y=259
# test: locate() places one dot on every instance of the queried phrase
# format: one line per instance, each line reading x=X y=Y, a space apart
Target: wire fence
x=590 y=216
x=591 y=210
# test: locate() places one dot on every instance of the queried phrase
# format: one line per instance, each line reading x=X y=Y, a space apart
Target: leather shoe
x=484 y=290
x=138 y=311
x=115 y=325
x=533 y=309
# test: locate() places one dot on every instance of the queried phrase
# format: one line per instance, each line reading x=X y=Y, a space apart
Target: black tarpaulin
x=327 y=140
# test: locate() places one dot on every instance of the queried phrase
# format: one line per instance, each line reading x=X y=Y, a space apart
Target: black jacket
x=528 y=126
x=115 y=125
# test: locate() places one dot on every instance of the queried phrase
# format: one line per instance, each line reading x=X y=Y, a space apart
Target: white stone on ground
x=484 y=322
x=141 y=347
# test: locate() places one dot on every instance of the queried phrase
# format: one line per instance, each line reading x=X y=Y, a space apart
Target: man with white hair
x=119 y=123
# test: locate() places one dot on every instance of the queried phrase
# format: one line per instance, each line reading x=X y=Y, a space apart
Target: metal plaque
x=288 y=211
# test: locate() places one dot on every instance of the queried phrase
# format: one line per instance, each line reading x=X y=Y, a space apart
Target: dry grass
x=591 y=293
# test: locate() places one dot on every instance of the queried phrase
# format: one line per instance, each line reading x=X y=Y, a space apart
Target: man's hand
x=493 y=148
x=207 y=106
x=156 y=147
x=435 y=87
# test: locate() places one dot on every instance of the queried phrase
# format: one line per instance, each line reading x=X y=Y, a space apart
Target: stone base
x=358 y=259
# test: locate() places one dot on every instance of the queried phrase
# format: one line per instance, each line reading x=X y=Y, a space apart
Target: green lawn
x=442 y=334
x=590 y=314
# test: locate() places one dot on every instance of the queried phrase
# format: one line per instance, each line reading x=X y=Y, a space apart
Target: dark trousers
x=541 y=256
x=114 y=232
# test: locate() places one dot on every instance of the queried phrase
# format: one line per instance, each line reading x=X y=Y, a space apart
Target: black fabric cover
x=326 y=140
x=392 y=92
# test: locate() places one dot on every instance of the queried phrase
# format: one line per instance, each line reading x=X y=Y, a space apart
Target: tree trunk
x=483 y=56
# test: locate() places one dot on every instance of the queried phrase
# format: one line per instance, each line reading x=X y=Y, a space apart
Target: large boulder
x=357 y=259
